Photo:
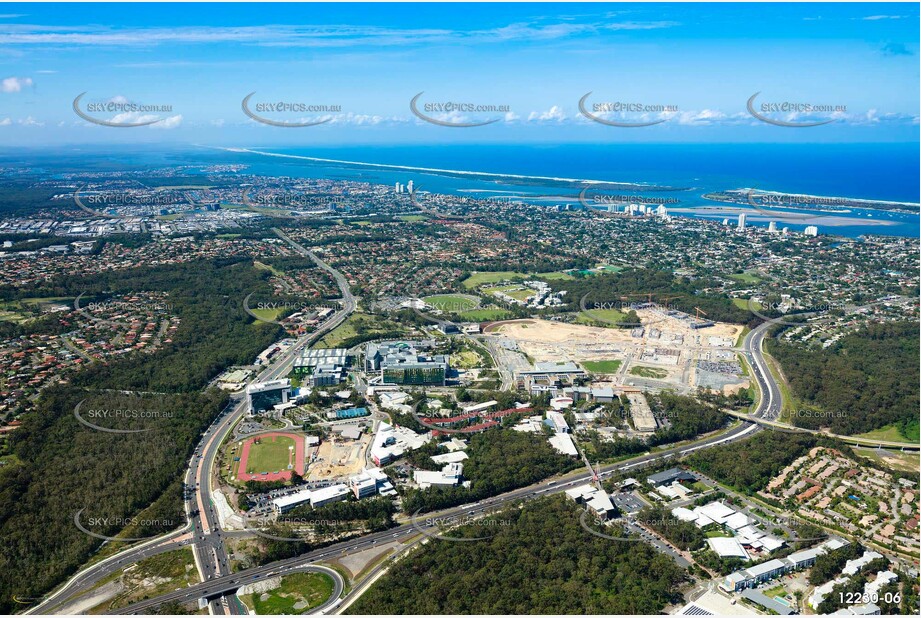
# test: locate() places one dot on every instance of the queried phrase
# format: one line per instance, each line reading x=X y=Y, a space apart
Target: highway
x=206 y=536
x=210 y=552
x=766 y=405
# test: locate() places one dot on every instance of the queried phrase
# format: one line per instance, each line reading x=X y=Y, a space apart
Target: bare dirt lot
x=338 y=458
x=667 y=344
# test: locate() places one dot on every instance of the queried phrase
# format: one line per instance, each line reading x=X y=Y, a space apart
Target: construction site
x=666 y=350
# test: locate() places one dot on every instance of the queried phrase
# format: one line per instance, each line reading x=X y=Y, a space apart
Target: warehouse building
x=670 y=476
x=328 y=495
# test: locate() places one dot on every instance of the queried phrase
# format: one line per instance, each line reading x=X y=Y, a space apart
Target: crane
x=699 y=311
x=668 y=298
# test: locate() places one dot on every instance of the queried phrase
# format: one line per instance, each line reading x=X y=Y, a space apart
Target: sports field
x=602 y=366
x=271 y=457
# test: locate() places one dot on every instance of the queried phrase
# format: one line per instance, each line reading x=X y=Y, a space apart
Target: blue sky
x=537 y=60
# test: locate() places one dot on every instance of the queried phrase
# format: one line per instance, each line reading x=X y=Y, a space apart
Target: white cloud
x=5 y=122
x=15 y=84
x=308 y=35
x=554 y=114
x=29 y=121
x=168 y=123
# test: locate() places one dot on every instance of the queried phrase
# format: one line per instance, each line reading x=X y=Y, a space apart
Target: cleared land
x=744 y=303
x=515 y=291
x=668 y=344
x=358 y=323
x=746 y=277
x=485 y=315
x=268 y=314
x=148 y=578
x=891 y=433
x=594 y=316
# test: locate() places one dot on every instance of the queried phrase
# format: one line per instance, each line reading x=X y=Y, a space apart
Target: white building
x=286 y=503
x=726 y=547
x=557 y=421
x=371 y=482
x=742 y=218
x=811 y=230
x=327 y=495
x=563 y=443
x=449 y=476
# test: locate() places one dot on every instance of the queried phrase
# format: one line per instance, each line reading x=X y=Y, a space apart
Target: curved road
x=206 y=536
x=767 y=405
x=222 y=584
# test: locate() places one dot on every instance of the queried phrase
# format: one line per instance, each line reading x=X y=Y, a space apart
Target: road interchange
x=219 y=584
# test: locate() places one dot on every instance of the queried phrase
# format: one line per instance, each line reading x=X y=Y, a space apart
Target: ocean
x=540 y=174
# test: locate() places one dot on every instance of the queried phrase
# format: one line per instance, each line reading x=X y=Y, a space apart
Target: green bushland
x=865 y=381
x=67 y=466
x=535 y=560
x=635 y=284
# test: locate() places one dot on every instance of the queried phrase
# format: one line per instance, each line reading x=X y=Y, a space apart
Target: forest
x=539 y=561
x=500 y=460
x=750 y=464
x=865 y=381
x=62 y=466
x=686 y=418
x=635 y=284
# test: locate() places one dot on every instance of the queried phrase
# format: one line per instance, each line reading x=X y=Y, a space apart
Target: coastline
x=907 y=208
